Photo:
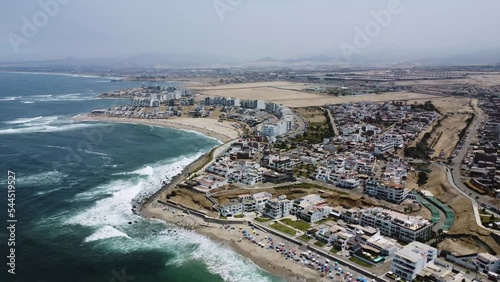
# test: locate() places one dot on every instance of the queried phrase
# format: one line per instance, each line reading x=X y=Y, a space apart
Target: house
x=487 y=262
x=232 y=208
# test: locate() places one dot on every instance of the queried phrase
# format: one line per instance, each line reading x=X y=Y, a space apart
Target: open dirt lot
x=290 y=94
x=455 y=112
x=444 y=137
x=478 y=79
x=312 y=114
x=464 y=219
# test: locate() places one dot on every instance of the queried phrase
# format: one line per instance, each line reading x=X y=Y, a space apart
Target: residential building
x=391 y=192
x=411 y=259
x=278 y=208
x=487 y=262
x=396 y=225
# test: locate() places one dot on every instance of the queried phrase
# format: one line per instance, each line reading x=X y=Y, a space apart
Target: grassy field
x=299 y=224
x=283 y=228
x=239 y=216
x=334 y=250
x=262 y=219
x=320 y=244
x=360 y=262
x=304 y=238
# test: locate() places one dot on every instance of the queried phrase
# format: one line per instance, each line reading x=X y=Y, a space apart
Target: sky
x=245 y=29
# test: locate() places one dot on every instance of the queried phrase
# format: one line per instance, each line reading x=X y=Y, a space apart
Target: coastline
x=223 y=132
x=268 y=260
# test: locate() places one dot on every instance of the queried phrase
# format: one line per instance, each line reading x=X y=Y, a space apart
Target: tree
x=422 y=178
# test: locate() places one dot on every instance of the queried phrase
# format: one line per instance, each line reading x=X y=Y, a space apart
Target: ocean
x=75 y=186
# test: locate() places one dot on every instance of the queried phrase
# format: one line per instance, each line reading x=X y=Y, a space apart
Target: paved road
x=332 y=121
x=455 y=178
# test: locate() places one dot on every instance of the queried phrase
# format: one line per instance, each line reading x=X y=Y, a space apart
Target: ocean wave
x=189 y=246
x=42 y=179
x=111 y=217
x=147 y=171
x=105 y=232
x=45 y=192
x=116 y=208
x=44 y=128
x=33 y=120
x=5 y=99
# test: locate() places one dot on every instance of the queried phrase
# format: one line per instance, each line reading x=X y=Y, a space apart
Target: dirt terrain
x=293 y=94
x=464 y=222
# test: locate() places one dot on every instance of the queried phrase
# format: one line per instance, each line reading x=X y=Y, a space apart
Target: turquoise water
x=76 y=183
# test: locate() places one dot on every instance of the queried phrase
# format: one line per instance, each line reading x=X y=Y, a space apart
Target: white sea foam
x=111 y=217
x=148 y=171
x=105 y=232
x=41 y=179
x=117 y=209
x=40 y=120
x=41 y=193
x=5 y=99
x=44 y=128
x=22 y=120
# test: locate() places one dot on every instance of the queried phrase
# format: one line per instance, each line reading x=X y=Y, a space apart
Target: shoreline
x=266 y=259
x=149 y=208
x=210 y=127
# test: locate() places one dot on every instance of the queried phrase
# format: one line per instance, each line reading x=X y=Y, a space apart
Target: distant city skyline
x=238 y=31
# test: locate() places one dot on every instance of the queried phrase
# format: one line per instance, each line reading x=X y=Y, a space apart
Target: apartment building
x=381 y=148
x=278 y=208
x=391 y=192
x=311 y=208
x=396 y=225
x=260 y=200
x=395 y=139
x=411 y=259
x=487 y=262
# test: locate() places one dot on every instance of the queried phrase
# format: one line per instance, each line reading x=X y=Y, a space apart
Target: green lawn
x=323 y=221
x=299 y=224
x=304 y=238
x=283 y=228
x=239 y=216
x=320 y=244
x=360 y=262
x=262 y=219
x=486 y=218
x=223 y=217
x=334 y=250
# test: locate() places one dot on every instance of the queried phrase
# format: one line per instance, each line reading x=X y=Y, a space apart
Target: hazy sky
x=244 y=29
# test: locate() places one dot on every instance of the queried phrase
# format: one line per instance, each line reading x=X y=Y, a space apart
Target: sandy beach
x=267 y=259
x=223 y=131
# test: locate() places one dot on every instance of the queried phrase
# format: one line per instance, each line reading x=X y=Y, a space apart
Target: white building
x=261 y=199
x=391 y=192
x=278 y=208
x=487 y=262
x=396 y=225
x=411 y=259
x=395 y=139
x=231 y=208
x=381 y=148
